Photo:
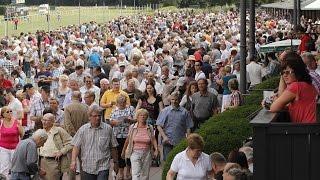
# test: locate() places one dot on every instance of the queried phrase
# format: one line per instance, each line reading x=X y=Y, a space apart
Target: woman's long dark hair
x=295 y=62
x=151 y=83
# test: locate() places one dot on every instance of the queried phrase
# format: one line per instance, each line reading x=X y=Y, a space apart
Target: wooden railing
x=285 y=150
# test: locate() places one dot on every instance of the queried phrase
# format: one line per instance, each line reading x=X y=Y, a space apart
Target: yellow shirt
x=111 y=96
x=49 y=148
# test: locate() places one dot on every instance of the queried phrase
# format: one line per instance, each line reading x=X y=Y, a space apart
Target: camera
x=267 y=102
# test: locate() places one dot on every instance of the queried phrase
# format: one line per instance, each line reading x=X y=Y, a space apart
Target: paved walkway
x=155 y=173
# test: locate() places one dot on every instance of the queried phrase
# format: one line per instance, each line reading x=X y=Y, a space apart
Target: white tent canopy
x=312 y=6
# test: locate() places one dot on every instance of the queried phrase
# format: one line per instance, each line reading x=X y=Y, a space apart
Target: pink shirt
x=9 y=137
x=303 y=108
x=141 y=141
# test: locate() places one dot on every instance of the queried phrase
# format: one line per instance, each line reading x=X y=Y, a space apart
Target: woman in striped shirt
x=140 y=145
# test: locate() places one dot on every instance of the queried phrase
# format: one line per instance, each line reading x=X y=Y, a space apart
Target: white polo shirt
x=186 y=170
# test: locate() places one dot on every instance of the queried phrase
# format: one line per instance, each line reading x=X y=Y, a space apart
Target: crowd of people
x=99 y=94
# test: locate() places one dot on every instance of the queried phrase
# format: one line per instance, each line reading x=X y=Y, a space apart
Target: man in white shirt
x=153 y=66
x=255 y=72
x=124 y=81
x=89 y=86
x=158 y=86
x=199 y=73
x=79 y=75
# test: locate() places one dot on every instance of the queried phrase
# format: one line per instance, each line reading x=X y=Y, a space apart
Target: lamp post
x=243 y=72
x=252 y=29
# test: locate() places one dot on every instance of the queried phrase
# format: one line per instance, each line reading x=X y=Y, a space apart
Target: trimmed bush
x=226 y=131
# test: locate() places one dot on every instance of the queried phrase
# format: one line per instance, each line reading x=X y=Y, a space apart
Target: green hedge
x=226 y=131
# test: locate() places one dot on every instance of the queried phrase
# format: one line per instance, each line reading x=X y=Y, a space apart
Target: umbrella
x=280 y=45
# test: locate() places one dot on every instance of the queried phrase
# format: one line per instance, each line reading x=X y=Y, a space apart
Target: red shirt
x=25 y=103
x=303 y=108
x=6 y=84
x=304 y=43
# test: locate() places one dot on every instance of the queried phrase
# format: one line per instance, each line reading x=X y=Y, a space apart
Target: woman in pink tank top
x=10 y=133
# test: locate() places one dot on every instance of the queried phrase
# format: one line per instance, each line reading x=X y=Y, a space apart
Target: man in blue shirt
x=174 y=123
x=94 y=58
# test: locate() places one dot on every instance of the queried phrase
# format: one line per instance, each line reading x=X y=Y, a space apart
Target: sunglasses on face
x=287 y=72
x=10 y=111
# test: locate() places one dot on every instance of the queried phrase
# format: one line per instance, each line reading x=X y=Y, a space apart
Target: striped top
x=141 y=141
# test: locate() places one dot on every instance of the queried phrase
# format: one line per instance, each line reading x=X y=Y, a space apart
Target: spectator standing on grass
x=174 y=124
x=15 y=22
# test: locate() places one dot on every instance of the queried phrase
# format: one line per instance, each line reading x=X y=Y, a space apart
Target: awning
x=280 y=45
x=312 y=6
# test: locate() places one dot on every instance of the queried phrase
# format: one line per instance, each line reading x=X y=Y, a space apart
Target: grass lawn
x=69 y=16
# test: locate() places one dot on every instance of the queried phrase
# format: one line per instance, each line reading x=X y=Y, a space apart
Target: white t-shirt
x=16 y=107
x=185 y=169
x=200 y=75
x=255 y=73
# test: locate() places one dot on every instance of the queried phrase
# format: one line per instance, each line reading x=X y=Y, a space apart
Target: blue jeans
x=102 y=175
x=20 y=176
